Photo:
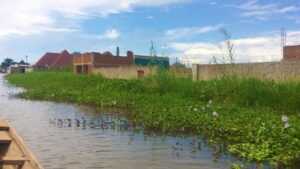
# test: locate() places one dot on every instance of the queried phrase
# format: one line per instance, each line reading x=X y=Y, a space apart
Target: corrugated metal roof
x=151 y=61
x=151 y=57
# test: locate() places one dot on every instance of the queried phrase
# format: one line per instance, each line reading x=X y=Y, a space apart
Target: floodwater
x=65 y=136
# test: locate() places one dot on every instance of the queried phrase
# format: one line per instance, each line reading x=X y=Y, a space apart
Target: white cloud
x=253 y=8
x=26 y=17
x=189 y=31
x=294 y=18
x=110 y=34
x=253 y=49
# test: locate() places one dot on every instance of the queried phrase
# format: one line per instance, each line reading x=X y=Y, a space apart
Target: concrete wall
x=124 y=72
x=181 y=71
x=286 y=70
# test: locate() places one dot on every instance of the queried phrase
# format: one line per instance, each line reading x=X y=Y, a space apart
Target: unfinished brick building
x=87 y=62
x=291 y=53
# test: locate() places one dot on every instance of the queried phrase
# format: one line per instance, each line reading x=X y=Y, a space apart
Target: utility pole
x=26 y=59
x=118 y=51
x=152 y=50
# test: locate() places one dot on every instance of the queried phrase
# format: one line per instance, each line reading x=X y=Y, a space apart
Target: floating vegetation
x=255 y=120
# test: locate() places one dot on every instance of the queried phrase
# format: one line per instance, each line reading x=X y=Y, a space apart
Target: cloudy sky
x=187 y=29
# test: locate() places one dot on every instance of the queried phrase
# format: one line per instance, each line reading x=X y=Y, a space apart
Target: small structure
x=87 y=62
x=142 y=60
x=55 y=60
x=110 y=66
x=2 y=70
x=19 y=68
x=291 y=53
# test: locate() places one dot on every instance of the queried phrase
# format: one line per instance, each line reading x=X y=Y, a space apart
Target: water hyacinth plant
x=285 y=121
x=242 y=114
x=215 y=114
x=284 y=118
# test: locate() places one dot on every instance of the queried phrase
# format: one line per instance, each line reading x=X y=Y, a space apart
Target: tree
x=7 y=62
x=229 y=55
x=22 y=62
x=227 y=49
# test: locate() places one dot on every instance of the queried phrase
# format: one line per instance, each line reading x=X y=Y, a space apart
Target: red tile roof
x=55 y=60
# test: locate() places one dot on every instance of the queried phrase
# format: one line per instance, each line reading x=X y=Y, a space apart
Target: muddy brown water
x=65 y=136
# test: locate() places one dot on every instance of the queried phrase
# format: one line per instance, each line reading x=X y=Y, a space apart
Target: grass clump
x=256 y=120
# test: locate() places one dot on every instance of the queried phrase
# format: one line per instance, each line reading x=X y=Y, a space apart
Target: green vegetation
x=255 y=120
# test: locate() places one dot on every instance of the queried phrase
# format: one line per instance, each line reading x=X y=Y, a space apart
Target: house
x=108 y=65
x=291 y=53
x=2 y=70
x=55 y=60
x=19 y=68
x=85 y=63
x=142 y=60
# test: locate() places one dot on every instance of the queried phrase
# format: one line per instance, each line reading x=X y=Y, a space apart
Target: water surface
x=65 y=136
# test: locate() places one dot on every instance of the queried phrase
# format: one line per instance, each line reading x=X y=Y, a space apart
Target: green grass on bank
x=243 y=114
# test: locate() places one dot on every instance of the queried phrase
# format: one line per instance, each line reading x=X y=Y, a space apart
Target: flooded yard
x=65 y=136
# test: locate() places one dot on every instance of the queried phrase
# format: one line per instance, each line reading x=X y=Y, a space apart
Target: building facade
x=86 y=63
x=291 y=53
x=110 y=66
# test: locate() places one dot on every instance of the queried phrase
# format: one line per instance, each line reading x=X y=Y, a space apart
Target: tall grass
x=245 y=114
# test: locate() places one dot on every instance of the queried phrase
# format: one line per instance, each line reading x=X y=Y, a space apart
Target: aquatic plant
x=243 y=114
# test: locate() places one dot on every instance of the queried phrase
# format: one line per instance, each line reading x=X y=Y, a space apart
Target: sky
x=189 y=30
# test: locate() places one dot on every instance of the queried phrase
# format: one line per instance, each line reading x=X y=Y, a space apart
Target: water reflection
x=119 y=123
x=179 y=147
x=106 y=121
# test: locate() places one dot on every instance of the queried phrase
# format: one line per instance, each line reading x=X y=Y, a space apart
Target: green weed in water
x=255 y=120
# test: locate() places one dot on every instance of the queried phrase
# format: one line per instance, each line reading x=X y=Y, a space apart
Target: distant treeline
x=8 y=62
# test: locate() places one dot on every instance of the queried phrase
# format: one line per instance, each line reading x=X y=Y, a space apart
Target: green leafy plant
x=244 y=115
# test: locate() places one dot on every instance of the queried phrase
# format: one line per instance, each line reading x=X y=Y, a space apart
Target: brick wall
x=108 y=60
x=288 y=70
x=291 y=53
x=85 y=58
x=87 y=62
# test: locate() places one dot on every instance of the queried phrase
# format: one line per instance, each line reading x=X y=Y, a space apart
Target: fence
x=124 y=72
x=285 y=70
